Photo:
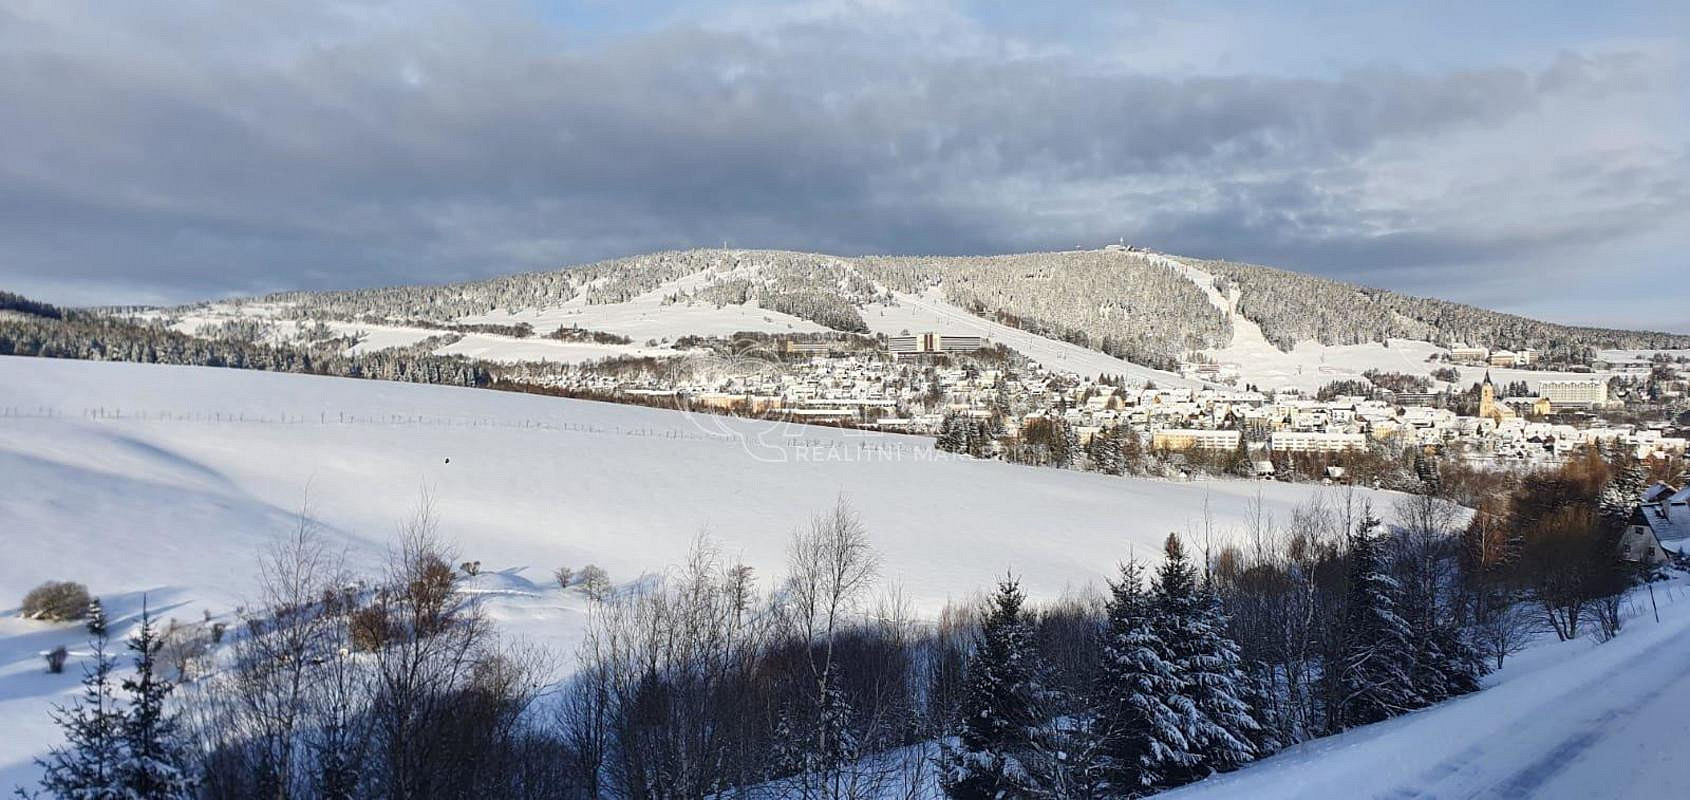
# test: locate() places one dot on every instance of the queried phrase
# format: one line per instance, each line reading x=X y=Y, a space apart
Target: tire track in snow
x=1455 y=777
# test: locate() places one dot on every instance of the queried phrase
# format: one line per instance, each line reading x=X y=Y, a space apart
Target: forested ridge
x=1293 y=307
x=1127 y=304
x=37 y=329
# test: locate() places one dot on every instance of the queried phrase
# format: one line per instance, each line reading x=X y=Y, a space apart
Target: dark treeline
x=702 y=684
x=56 y=333
x=23 y=305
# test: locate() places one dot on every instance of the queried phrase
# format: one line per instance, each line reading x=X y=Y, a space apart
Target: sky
x=1526 y=156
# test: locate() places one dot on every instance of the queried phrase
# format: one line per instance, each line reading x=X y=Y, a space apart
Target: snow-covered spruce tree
x=1062 y=444
x=951 y=438
x=1259 y=697
x=994 y=754
x=1242 y=465
x=156 y=764
x=1373 y=677
x=1205 y=659
x=1103 y=451
x=96 y=621
x=89 y=765
x=1445 y=662
x=1431 y=478
x=1462 y=665
x=1623 y=491
x=1138 y=723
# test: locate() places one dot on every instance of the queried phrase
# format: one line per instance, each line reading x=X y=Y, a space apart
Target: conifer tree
x=1139 y=716
x=96 y=621
x=1463 y=665
x=950 y=435
x=1373 y=679
x=1104 y=451
x=1259 y=696
x=1242 y=465
x=1132 y=451
x=838 y=745
x=156 y=764
x=1427 y=673
x=995 y=751
x=1207 y=664
x=1623 y=491
x=89 y=765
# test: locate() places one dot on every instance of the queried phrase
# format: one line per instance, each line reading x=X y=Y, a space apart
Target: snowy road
x=1606 y=721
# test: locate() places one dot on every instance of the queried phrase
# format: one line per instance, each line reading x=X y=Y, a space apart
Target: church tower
x=1488 y=406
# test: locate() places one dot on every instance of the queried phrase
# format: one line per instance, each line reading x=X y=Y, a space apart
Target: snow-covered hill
x=167 y=481
x=1135 y=314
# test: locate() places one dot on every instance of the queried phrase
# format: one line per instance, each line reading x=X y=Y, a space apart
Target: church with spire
x=1488 y=407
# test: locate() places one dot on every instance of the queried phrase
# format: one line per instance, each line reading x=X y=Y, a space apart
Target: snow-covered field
x=167 y=481
x=135 y=478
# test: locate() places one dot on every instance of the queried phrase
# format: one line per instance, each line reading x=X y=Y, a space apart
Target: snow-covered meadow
x=168 y=481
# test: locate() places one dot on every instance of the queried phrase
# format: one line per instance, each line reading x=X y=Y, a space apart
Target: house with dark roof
x=1648 y=527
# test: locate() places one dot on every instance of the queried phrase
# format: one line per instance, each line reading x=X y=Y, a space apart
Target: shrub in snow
x=371 y=628
x=564 y=576
x=183 y=648
x=56 y=601
x=56 y=659
x=594 y=582
x=471 y=568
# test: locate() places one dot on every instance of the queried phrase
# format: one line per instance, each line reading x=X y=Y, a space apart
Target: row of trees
x=86 y=335
x=1118 y=450
x=1213 y=667
x=705 y=684
x=1549 y=543
x=1170 y=701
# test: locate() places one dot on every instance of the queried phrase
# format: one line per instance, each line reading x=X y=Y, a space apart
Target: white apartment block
x=1193 y=439
x=1310 y=442
x=934 y=343
x=1576 y=392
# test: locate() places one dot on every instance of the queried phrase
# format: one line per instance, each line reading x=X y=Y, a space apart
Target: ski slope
x=166 y=481
x=1310 y=365
x=929 y=311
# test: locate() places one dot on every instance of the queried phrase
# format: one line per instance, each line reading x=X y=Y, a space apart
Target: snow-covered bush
x=56 y=601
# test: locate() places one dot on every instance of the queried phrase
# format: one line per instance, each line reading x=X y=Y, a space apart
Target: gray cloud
x=185 y=152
